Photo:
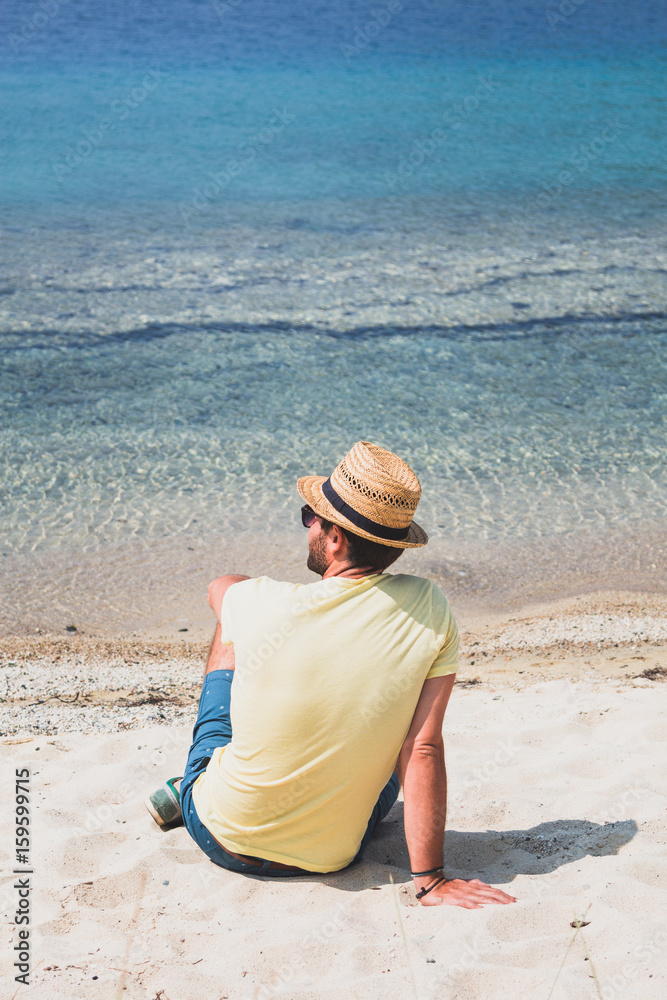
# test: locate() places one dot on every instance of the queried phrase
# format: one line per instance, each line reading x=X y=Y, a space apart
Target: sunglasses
x=308 y=515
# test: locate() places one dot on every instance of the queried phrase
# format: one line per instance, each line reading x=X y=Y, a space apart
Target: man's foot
x=164 y=805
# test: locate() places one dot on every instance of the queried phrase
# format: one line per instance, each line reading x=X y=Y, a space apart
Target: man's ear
x=338 y=541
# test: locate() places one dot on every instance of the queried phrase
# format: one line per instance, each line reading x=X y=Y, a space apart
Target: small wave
x=31 y=339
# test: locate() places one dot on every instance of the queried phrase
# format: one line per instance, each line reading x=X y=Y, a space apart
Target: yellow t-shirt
x=327 y=680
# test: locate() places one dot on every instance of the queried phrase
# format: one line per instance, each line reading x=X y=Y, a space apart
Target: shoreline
x=108 y=683
x=155 y=587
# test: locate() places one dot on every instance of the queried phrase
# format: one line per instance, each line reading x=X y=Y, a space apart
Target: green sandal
x=165 y=804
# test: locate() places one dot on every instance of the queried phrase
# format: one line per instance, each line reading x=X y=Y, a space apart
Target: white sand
x=557 y=794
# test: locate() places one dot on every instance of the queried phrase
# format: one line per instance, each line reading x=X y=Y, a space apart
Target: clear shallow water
x=231 y=247
x=522 y=417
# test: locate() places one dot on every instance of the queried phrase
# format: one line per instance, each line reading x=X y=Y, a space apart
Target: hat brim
x=310 y=488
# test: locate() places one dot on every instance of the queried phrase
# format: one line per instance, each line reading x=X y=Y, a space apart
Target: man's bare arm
x=219 y=587
x=220 y=657
x=422 y=770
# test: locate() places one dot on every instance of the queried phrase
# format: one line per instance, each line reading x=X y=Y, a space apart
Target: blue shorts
x=213 y=728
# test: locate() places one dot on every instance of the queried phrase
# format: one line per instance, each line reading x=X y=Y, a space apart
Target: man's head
x=362 y=515
x=329 y=543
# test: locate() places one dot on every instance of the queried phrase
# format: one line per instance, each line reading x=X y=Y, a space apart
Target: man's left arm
x=221 y=654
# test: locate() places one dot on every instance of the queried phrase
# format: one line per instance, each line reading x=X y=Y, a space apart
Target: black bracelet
x=425 y=892
x=431 y=871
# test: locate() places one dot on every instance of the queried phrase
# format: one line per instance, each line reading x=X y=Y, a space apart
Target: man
x=338 y=696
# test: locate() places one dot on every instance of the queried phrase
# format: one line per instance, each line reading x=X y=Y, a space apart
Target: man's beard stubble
x=317 y=561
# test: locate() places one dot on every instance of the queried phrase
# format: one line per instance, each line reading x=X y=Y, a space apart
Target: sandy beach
x=555 y=750
x=236 y=239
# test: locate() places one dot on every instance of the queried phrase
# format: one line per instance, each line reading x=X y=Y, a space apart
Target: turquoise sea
x=238 y=236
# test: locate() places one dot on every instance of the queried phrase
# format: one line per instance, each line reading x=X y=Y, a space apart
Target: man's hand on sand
x=471 y=895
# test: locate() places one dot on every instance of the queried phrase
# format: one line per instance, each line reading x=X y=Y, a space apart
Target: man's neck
x=350 y=572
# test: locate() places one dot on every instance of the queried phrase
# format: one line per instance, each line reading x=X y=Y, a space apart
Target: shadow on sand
x=496 y=856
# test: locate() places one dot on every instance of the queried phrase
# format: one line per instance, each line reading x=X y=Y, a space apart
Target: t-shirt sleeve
x=227 y=616
x=447 y=660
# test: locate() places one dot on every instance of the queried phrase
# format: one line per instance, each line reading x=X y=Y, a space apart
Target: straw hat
x=373 y=493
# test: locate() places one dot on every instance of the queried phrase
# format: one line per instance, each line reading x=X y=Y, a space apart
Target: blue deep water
x=239 y=235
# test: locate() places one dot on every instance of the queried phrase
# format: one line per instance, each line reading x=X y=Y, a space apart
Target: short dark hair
x=364 y=552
